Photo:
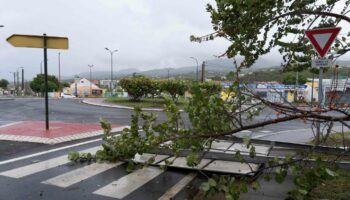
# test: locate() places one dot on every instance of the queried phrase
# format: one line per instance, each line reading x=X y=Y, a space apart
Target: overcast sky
x=147 y=33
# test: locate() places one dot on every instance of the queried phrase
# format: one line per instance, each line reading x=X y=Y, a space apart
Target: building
x=81 y=88
x=107 y=83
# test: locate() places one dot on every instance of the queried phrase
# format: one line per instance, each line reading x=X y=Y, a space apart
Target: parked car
x=67 y=96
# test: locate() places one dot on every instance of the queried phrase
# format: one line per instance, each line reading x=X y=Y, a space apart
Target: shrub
x=137 y=87
x=174 y=88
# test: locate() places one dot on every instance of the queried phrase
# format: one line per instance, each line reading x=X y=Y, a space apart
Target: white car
x=67 y=96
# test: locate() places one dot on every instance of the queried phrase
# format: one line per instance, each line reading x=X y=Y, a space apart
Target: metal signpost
x=321 y=40
x=45 y=42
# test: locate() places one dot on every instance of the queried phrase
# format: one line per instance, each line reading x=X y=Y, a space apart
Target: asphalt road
x=72 y=110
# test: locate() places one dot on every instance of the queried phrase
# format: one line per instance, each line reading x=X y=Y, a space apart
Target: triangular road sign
x=322 y=39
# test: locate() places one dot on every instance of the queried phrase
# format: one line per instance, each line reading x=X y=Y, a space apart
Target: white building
x=83 y=87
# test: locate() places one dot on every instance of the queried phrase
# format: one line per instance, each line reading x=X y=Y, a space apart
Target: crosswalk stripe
x=47 y=151
x=178 y=187
x=80 y=174
x=129 y=183
x=41 y=166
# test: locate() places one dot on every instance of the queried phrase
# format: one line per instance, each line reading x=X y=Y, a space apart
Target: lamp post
x=76 y=79
x=41 y=67
x=197 y=66
x=111 y=52
x=18 y=79
x=14 y=80
x=90 y=66
x=59 y=74
x=168 y=73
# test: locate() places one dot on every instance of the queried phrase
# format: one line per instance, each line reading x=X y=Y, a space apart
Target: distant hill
x=215 y=67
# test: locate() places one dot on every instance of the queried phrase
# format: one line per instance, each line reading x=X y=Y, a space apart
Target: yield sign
x=322 y=39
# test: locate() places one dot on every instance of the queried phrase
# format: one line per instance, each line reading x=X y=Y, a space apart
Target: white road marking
x=80 y=174
x=47 y=151
x=10 y=124
x=231 y=167
x=281 y=132
x=265 y=131
x=129 y=183
x=41 y=166
x=181 y=162
x=146 y=156
x=178 y=187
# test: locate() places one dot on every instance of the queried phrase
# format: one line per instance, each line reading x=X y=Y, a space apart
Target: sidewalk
x=34 y=131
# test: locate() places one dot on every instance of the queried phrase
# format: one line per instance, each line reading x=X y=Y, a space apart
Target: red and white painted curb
x=56 y=140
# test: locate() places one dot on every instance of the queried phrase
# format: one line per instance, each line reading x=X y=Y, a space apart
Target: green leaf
x=267 y=178
x=331 y=173
x=130 y=168
x=73 y=155
x=279 y=178
x=255 y=185
x=303 y=192
x=205 y=186
x=212 y=182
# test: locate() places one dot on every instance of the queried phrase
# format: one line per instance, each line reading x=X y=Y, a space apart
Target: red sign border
x=310 y=34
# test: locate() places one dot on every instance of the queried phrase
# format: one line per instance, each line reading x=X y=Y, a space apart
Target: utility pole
x=296 y=85
x=17 y=88
x=197 y=66
x=41 y=67
x=14 y=80
x=90 y=66
x=168 y=73
x=22 y=78
x=203 y=72
x=59 y=74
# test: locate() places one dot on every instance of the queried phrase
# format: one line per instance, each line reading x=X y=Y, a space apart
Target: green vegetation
x=139 y=87
x=254 y=27
x=279 y=76
x=144 y=102
x=38 y=83
x=335 y=189
x=3 y=83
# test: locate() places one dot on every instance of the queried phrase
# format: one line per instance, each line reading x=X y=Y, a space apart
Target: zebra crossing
x=51 y=176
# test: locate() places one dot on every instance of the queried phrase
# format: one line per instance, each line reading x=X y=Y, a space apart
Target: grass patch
x=144 y=103
x=337 y=140
x=336 y=189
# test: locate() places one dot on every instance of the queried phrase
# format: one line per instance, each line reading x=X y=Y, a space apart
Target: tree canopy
x=254 y=27
x=3 y=83
x=38 y=83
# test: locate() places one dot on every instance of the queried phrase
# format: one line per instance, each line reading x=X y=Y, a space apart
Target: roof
x=310 y=84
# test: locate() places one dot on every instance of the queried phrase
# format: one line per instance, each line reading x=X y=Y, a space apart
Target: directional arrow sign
x=45 y=42
x=322 y=39
x=37 y=41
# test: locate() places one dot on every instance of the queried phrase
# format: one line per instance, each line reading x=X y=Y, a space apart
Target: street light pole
x=41 y=67
x=59 y=74
x=90 y=66
x=197 y=66
x=18 y=80
x=169 y=73
x=22 y=79
x=111 y=52
x=14 y=80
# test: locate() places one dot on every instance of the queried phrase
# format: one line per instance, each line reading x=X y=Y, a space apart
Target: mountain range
x=215 y=67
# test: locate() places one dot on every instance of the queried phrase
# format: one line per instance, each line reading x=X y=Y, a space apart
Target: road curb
x=118 y=106
x=57 y=140
x=7 y=99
